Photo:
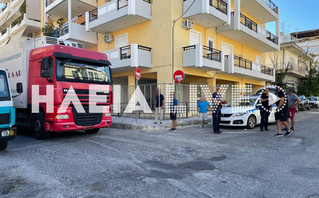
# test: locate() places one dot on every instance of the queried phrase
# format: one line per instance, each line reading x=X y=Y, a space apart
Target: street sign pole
x=137 y=78
x=179 y=101
x=179 y=76
x=136 y=85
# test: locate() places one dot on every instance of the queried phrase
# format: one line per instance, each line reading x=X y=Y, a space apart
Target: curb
x=164 y=126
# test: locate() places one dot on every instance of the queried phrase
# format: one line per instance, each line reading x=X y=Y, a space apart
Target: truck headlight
x=5 y=133
x=108 y=115
x=62 y=117
x=238 y=114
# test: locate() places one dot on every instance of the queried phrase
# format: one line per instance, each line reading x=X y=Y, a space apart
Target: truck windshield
x=68 y=70
x=4 y=88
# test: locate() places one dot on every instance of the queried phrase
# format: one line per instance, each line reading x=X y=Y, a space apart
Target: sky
x=297 y=15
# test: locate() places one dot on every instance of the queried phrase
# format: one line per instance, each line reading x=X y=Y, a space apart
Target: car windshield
x=82 y=72
x=242 y=102
x=4 y=88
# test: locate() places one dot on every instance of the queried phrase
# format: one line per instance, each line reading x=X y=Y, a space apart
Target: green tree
x=310 y=85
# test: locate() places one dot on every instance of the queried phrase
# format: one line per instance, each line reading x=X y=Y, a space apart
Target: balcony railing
x=94 y=14
x=248 y=22
x=219 y=5
x=272 y=5
x=211 y=53
x=267 y=70
x=125 y=51
x=242 y=62
x=270 y=36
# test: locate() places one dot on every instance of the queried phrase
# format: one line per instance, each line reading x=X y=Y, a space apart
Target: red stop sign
x=179 y=76
x=138 y=74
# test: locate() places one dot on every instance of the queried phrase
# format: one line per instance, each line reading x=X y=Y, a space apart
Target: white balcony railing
x=130 y=56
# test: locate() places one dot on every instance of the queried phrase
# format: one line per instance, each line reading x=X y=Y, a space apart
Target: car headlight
x=5 y=133
x=62 y=117
x=238 y=114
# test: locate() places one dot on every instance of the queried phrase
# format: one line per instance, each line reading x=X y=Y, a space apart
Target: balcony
x=4 y=11
x=23 y=23
x=78 y=34
x=59 y=8
x=207 y=13
x=295 y=70
x=203 y=57
x=4 y=36
x=129 y=57
x=263 y=11
x=250 y=34
x=242 y=67
x=15 y=3
x=116 y=15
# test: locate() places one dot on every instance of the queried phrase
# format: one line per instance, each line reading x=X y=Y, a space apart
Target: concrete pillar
x=237 y=15
x=229 y=11
x=278 y=28
x=131 y=84
x=69 y=15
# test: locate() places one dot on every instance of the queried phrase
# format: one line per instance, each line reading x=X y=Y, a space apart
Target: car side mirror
x=19 y=88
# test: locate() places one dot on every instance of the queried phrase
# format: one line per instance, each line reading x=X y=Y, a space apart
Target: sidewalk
x=148 y=124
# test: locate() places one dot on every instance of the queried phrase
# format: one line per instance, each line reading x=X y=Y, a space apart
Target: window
x=4 y=87
x=47 y=67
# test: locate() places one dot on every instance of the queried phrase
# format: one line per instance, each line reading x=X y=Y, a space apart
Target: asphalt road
x=191 y=162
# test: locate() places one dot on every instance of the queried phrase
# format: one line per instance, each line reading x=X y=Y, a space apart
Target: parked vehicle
x=7 y=112
x=304 y=103
x=34 y=62
x=314 y=102
x=244 y=112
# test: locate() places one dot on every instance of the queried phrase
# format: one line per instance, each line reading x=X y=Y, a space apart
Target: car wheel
x=308 y=107
x=3 y=145
x=92 y=131
x=251 y=122
x=304 y=108
x=38 y=127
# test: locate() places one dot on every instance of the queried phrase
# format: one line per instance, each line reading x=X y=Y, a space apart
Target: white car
x=244 y=112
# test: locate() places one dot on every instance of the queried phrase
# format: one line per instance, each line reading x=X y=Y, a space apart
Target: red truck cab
x=64 y=67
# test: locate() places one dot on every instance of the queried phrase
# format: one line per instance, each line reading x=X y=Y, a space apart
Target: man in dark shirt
x=264 y=110
x=173 y=112
x=216 y=107
x=281 y=114
x=159 y=106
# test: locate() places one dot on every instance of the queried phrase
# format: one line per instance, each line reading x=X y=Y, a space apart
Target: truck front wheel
x=92 y=131
x=3 y=145
x=38 y=127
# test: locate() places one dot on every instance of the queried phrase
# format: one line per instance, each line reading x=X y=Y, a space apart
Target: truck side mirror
x=19 y=88
x=46 y=74
x=45 y=63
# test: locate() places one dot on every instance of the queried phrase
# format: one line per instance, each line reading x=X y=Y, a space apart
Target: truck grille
x=5 y=118
x=86 y=119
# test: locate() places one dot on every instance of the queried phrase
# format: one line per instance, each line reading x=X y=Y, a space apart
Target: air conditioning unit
x=187 y=24
x=108 y=38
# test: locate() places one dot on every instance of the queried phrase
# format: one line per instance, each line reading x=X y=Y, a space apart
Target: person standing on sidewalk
x=293 y=102
x=216 y=108
x=281 y=114
x=202 y=107
x=159 y=106
x=173 y=112
x=264 y=110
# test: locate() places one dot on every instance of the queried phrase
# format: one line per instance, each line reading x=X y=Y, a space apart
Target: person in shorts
x=281 y=114
x=173 y=112
x=202 y=108
x=293 y=102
